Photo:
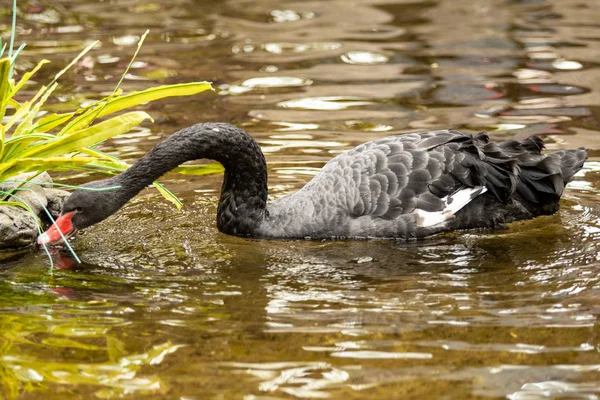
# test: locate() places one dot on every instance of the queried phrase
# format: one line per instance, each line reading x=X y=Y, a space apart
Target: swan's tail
x=542 y=178
x=571 y=161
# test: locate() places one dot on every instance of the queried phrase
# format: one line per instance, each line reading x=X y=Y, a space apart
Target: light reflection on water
x=166 y=307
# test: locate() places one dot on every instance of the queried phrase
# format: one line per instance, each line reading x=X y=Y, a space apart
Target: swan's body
x=403 y=187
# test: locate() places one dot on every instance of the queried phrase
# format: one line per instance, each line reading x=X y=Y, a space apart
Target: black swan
x=402 y=187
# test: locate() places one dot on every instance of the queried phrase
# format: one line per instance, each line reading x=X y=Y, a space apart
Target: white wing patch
x=453 y=203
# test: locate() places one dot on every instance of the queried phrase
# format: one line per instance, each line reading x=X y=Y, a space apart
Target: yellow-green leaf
x=102 y=155
x=18 y=115
x=87 y=137
x=4 y=85
x=1 y=141
x=203 y=169
x=14 y=104
x=12 y=144
x=120 y=103
x=26 y=77
x=25 y=125
x=51 y=121
x=168 y=195
x=21 y=165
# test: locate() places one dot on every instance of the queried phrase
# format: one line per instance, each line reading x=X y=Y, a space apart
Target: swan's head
x=83 y=208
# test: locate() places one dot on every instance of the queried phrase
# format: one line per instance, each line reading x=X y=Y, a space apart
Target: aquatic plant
x=34 y=141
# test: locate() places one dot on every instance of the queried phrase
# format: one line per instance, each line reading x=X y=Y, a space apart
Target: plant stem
x=13 y=30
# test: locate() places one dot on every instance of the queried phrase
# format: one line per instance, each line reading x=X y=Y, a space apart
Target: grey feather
x=395 y=177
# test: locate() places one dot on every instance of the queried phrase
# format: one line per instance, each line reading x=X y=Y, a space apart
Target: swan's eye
x=79 y=209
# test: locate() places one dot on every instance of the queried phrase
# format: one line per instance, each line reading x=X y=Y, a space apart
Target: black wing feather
x=392 y=177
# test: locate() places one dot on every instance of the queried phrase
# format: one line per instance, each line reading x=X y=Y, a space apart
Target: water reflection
x=165 y=306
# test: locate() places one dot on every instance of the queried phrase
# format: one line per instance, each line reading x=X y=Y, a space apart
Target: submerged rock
x=56 y=198
x=18 y=227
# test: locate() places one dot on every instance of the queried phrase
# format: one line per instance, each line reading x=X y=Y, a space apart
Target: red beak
x=62 y=228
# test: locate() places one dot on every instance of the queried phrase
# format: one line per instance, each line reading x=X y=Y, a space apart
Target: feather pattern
x=404 y=186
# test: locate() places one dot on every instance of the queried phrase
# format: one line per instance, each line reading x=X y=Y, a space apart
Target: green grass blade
x=83 y=52
x=98 y=111
x=13 y=29
x=137 y=50
x=13 y=59
x=39 y=227
x=22 y=182
x=13 y=204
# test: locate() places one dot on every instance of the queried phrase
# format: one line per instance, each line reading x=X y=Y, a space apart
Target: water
x=164 y=306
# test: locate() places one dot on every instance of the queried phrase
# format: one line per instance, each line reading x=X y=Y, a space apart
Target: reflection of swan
x=399 y=187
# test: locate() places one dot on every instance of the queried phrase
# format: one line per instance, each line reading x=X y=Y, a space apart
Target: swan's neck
x=243 y=200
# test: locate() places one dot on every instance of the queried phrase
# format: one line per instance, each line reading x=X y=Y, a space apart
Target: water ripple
x=166 y=306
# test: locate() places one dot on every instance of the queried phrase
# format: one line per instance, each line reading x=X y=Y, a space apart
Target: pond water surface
x=164 y=306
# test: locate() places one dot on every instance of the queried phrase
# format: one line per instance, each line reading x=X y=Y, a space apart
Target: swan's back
x=419 y=184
